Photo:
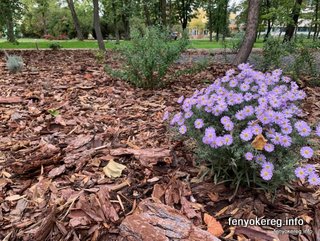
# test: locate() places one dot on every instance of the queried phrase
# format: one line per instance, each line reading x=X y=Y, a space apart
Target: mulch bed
x=62 y=119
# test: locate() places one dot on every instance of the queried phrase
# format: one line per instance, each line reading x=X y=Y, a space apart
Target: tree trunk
x=146 y=13
x=163 y=11
x=75 y=20
x=250 y=35
x=96 y=23
x=10 y=28
x=45 y=31
x=316 y=20
x=268 y=30
x=170 y=15
x=291 y=26
x=184 y=15
x=115 y=22
x=126 y=25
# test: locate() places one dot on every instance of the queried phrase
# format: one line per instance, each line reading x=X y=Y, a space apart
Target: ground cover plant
x=247 y=127
x=148 y=57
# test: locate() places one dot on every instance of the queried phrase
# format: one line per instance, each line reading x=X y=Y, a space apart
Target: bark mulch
x=65 y=126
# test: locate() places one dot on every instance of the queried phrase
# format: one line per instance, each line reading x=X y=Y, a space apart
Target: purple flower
x=183 y=129
x=318 y=130
x=165 y=116
x=248 y=96
x=286 y=129
x=285 y=141
x=266 y=174
x=219 y=141
x=310 y=169
x=256 y=129
x=260 y=159
x=228 y=126
x=306 y=152
x=227 y=140
x=268 y=166
x=286 y=79
x=240 y=115
x=269 y=147
x=248 y=110
x=198 y=124
x=246 y=135
x=225 y=120
x=276 y=138
x=188 y=114
x=210 y=134
x=264 y=118
x=244 y=87
x=180 y=100
x=249 y=156
x=180 y=122
x=233 y=83
x=214 y=144
x=314 y=179
x=305 y=131
x=301 y=172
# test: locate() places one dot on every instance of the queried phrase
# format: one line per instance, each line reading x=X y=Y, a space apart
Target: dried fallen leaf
x=214 y=226
x=259 y=142
x=113 y=169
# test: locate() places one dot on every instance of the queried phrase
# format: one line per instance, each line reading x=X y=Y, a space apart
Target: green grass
x=65 y=44
x=92 y=44
x=206 y=44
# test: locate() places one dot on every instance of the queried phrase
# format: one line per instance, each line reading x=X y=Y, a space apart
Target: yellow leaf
x=214 y=226
x=113 y=169
x=259 y=142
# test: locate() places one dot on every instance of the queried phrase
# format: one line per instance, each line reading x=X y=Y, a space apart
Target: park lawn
x=92 y=44
x=65 y=44
x=206 y=44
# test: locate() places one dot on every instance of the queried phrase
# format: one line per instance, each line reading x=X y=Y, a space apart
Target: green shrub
x=295 y=58
x=14 y=63
x=247 y=126
x=148 y=57
x=236 y=41
x=99 y=56
x=55 y=46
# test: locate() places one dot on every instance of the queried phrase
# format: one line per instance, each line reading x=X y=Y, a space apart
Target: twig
x=121 y=185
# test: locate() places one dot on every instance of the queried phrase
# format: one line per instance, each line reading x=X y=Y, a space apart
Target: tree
x=10 y=12
x=163 y=11
x=43 y=8
x=251 y=32
x=292 y=24
x=96 y=23
x=316 y=19
x=75 y=19
x=185 y=10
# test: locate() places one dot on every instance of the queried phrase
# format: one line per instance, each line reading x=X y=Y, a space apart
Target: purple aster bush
x=248 y=126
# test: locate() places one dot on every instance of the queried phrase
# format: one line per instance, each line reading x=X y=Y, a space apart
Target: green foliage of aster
x=247 y=126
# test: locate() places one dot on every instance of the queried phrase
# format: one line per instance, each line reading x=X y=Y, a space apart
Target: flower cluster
x=252 y=113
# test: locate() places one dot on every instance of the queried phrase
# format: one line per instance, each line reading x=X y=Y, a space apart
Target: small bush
x=236 y=41
x=48 y=37
x=62 y=37
x=148 y=57
x=295 y=58
x=248 y=127
x=55 y=46
x=99 y=56
x=14 y=63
